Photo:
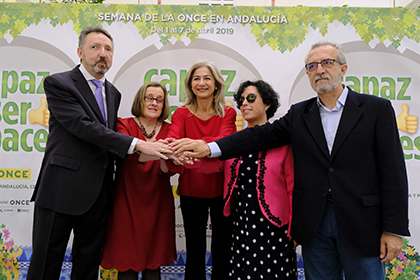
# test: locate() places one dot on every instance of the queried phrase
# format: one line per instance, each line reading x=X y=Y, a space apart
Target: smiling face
x=96 y=54
x=254 y=113
x=325 y=80
x=152 y=109
x=203 y=83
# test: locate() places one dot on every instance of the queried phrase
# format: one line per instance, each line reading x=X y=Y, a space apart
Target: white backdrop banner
x=160 y=43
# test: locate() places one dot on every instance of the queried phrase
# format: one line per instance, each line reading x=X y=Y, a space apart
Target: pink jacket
x=275 y=180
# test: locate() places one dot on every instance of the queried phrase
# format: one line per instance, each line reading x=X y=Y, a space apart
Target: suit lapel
x=351 y=115
x=110 y=105
x=85 y=90
x=314 y=124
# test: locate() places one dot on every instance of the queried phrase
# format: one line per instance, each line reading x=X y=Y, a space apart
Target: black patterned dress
x=260 y=250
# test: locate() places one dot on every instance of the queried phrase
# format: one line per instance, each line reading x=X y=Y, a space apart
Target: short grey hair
x=92 y=29
x=341 y=56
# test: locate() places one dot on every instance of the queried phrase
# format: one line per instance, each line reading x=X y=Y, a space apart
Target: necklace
x=143 y=130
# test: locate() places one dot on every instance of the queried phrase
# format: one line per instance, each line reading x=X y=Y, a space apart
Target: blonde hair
x=137 y=107
x=219 y=93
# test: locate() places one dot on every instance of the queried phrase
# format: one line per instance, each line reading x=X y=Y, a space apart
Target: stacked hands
x=180 y=151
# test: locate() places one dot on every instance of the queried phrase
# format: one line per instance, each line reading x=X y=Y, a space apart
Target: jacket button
x=331 y=169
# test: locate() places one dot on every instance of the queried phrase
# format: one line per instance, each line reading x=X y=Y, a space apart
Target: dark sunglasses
x=250 y=98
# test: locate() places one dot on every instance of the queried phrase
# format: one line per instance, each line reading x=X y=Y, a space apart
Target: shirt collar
x=89 y=76
x=341 y=100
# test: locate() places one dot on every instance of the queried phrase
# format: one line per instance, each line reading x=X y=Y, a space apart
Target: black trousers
x=51 y=233
x=195 y=213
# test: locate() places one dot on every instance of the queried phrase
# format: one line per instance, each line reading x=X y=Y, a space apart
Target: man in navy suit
x=74 y=187
x=350 y=199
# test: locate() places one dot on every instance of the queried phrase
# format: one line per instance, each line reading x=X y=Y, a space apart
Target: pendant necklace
x=143 y=130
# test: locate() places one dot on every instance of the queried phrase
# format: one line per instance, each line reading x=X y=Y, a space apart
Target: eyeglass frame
x=322 y=64
x=151 y=99
x=242 y=99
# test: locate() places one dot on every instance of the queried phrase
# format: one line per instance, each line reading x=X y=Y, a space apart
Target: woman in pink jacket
x=258 y=194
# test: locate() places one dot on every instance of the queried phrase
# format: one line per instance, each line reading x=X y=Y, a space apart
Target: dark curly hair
x=268 y=95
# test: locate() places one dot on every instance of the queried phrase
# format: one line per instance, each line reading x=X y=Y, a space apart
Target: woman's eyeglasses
x=151 y=99
x=250 y=99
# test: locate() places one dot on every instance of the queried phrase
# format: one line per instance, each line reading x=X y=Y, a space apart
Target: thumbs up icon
x=405 y=122
x=239 y=122
x=41 y=115
x=239 y=118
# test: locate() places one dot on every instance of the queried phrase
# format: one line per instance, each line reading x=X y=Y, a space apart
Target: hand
x=170 y=140
x=188 y=160
x=391 y=246
x=295 y=244
x=159 y=148
x=291 y=245
x=405 y=122
x=175 y=160
x=181 y=159
x=41 y=115
x=164 y=141
x=163 y=166
x=190 y=149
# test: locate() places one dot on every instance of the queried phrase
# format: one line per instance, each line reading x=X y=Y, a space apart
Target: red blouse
x=187 y=125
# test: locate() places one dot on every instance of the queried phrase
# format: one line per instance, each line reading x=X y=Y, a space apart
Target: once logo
x=20 y=202
x=24 y=174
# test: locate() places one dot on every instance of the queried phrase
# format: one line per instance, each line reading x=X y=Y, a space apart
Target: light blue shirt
x=214 y=150
x=331 y=118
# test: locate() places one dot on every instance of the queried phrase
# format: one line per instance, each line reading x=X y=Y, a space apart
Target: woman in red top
x=204 y=117
x=141 y=226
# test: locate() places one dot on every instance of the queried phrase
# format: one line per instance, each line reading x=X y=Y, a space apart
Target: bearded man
x=74 y=188
x=350 y=198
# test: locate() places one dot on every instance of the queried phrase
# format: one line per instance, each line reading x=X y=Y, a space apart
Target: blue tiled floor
x=175 y=271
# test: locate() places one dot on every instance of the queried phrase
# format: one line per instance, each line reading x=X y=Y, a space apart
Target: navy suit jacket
x=81 y=148
x=365 y=171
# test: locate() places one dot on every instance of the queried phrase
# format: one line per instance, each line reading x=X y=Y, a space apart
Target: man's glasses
x=326 y=63
x=151 y=99
x=250 y=98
